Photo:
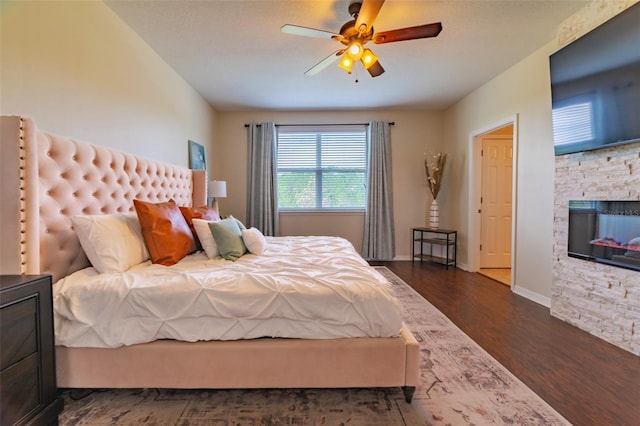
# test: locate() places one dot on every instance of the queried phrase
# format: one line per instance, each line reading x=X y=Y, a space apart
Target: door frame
x=475 y=191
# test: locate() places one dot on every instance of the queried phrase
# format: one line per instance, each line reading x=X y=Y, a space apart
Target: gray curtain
x=379 y=234
x=261 y=179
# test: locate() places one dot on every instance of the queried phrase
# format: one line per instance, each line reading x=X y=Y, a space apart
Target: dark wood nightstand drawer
x=18 y=325
x=28 y=394
x=19 y=390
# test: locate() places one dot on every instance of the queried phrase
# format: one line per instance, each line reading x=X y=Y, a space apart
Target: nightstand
x=28 y=393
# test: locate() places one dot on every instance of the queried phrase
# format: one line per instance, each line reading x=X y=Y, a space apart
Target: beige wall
x=414 y=133
x=523 y=90
x=80 y=72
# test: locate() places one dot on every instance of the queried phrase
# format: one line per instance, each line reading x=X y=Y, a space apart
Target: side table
x=28 y=392
x=444 y=241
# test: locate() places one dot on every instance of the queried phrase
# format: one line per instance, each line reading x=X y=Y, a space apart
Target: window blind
x=322 y=168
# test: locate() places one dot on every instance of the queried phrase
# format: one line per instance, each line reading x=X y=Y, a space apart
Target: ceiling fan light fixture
x=356 y=33
x=368 y=58
x=355 y=50
x=346 y=63
x=375 y=69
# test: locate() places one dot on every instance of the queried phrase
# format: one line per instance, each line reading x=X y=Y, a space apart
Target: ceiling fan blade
x=368 y=13
x=308 y=32
x=325 y=62
x=410 y=33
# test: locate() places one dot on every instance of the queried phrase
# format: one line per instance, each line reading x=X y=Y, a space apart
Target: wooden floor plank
x=587 y=380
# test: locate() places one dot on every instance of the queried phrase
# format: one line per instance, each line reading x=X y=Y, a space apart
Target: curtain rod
x=391 y=123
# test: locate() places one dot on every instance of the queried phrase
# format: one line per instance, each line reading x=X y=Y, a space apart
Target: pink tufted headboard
x=46 y=179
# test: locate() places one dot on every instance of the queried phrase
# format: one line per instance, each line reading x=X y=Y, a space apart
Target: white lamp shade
x=217 y=189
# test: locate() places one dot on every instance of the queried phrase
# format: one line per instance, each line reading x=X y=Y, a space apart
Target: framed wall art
x=197 y=156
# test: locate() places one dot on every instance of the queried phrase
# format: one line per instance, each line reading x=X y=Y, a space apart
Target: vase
x=434 y=215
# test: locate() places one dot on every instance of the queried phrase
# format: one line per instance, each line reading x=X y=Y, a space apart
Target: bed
x=47 y=179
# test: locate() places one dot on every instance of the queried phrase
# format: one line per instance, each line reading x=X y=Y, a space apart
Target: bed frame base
x=243 y=364
x=408 y=391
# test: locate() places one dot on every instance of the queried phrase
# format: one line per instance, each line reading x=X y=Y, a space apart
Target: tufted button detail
x=96 y=181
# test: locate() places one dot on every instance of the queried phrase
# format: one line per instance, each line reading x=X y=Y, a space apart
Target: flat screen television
x=595 y=87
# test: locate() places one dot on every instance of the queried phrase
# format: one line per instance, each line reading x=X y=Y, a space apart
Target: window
x=322 y=168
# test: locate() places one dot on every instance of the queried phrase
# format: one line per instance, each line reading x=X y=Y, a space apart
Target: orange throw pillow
x=165 y=231
x=205 y=213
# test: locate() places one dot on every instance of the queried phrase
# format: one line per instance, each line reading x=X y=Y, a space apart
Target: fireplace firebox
x=605 y=232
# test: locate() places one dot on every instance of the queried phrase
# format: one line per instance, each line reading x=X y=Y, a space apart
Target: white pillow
x=254 y=240
x=206 y=237
x=112 y=242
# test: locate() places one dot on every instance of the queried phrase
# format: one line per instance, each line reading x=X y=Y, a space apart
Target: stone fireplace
x=601 y=299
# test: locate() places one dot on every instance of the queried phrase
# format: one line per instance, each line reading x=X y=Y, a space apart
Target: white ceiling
x=234 y=54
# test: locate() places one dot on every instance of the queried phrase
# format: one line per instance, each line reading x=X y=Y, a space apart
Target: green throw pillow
x=228 y=238
x=240 y=224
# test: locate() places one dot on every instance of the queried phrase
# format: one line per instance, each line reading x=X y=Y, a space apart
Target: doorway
x=495 y=204
x=492 y=201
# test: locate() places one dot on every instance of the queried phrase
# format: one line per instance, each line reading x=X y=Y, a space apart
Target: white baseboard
x=406 y=257
x=462 y=266
x=533 y=296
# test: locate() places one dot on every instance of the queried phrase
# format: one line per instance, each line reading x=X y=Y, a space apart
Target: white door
x=495 y=233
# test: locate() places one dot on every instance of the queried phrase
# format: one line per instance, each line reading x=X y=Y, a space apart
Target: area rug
x=461 y=384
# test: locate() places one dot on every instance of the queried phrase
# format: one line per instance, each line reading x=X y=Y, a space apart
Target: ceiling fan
x=356 y=33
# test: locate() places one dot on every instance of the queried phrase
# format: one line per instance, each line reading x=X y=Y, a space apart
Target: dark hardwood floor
x=587 y=380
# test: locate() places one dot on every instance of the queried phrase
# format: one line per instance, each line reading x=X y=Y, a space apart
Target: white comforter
x=301 y=287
